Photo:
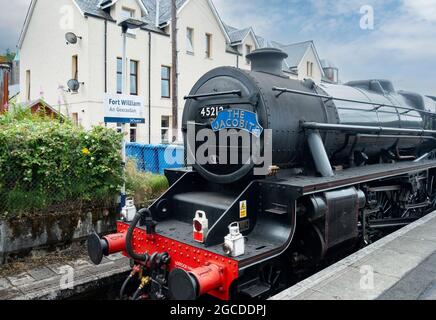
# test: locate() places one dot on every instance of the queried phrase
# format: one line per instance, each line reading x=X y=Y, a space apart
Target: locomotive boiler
x=348 y=163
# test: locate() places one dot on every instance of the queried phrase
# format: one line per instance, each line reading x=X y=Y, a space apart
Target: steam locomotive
x=348 y=163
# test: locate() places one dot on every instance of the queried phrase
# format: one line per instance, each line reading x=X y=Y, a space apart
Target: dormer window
x=127 y=13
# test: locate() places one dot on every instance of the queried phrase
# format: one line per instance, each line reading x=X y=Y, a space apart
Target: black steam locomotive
x=348 y=164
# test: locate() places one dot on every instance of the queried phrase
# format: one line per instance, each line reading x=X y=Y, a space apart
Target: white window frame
x=248 y=50
x=209 y=41
x=190 y=40
x=167 y=129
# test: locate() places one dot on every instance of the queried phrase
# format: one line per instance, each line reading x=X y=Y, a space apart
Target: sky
x=389 y=39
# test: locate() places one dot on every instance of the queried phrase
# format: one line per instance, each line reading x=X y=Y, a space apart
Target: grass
x=143 y=186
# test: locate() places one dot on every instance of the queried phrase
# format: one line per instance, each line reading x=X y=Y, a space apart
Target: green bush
x=46 y=161
x=143 y=186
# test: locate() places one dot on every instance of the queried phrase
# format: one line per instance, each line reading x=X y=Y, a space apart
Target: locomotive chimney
x=268 y=60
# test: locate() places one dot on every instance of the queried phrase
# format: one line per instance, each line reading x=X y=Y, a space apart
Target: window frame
x=133 y=133
x=134 y=75
x=168 y=80
x=309 y=68
x=120 y=73
x=209 y=38
x=190 y=41
x=75 y=67
x=28 y=84
x=248 y=50
x=167 y=129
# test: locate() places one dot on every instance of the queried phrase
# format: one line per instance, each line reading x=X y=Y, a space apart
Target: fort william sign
x=123 y=109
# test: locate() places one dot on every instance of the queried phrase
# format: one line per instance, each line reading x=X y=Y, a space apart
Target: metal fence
x=156 y=158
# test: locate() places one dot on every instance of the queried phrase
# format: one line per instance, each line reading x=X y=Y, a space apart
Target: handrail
x=328 y=98
x=365 y=129
x=214 y=94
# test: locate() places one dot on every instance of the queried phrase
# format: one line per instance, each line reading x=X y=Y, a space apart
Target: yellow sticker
x=243 y=209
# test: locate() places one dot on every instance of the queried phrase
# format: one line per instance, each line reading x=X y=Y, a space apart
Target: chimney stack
x=268 y=60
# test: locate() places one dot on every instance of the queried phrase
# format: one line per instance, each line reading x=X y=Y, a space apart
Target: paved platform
x=63 y=281
x=401 y=266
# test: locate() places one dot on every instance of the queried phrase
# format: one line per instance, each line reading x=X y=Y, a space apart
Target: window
x=247 y=52
x=165 y=129
x=119 y=127
x=134 y=77
x=75 y=67
x=190 y=40
x=309 y=69
x=128 y=13
x=119 y=75
x=28 y=84
x=208 y=45
x=133 y=131
x=75 y=118
x=165 y=82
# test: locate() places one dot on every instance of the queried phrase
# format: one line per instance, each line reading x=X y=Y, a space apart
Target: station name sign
x=123 y=109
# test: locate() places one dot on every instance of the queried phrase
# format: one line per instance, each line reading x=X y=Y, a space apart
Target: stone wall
x=20 y=235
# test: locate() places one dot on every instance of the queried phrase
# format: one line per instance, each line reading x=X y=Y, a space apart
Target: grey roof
x=236 y=35
x=164 y=9
x=91 y=7
x=295 y=51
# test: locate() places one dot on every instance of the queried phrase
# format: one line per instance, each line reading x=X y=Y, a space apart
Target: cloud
x=425 y=9
x=263 y=18
x=12 y=17
x=402 y=46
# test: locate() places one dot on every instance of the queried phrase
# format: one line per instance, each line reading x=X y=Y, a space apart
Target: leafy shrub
x=45 y=162
x=143 y=186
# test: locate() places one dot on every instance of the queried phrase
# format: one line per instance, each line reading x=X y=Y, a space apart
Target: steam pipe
x=319 y=154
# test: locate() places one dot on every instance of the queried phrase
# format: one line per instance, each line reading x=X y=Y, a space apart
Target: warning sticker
x=243 y=209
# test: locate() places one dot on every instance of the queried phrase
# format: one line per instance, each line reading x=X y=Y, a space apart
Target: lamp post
x=125 y=26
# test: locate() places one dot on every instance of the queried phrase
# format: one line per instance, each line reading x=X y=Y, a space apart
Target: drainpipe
x=157 y=13
x=105 y=56
x=5 y=97
x=149 y=87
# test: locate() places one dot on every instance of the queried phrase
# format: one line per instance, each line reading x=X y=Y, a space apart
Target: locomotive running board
x=305 y=185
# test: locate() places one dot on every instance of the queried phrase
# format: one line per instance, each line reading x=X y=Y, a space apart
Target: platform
x=401 y=266
x=50 y=281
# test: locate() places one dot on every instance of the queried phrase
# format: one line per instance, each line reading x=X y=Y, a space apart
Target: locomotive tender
x=349 y=163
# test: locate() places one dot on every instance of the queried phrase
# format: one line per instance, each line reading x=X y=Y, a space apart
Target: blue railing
x=156 y=158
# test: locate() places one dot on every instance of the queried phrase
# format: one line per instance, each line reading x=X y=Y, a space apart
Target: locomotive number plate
x=211 y=112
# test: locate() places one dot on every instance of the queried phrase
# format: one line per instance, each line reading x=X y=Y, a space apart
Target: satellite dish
x=71 y=38
x=73 y=85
